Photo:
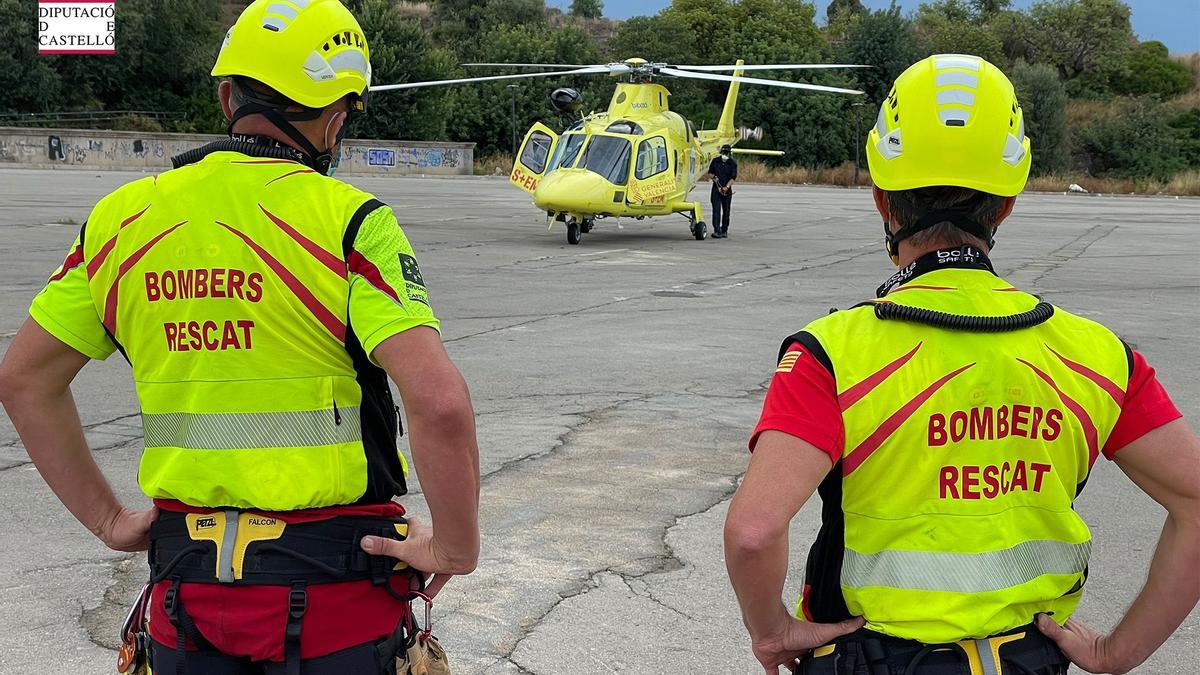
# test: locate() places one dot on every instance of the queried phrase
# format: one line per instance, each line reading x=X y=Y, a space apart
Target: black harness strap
x=185 y=628
x=297 y=605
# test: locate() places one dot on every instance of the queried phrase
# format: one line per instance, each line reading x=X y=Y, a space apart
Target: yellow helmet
x=311 y=51
x=953 y=120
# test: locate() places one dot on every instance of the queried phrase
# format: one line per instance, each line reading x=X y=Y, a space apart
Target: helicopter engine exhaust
x=568 y=102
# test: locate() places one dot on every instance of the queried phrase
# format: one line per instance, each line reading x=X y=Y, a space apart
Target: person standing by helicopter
x=723 y=170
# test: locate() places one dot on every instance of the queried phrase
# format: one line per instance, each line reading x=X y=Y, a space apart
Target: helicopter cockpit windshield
x=607 y=156
x=567 y=151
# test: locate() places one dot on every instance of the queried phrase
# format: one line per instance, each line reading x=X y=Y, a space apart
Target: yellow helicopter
x=638 y=159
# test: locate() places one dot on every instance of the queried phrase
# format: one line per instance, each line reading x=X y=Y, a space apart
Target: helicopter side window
x=625 y=127
x=651 y=158
x=536 y=152
x=607 y=156
x=567 y=151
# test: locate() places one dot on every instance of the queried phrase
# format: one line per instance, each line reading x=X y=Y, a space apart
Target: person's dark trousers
x=365 y=659
x=720 y=211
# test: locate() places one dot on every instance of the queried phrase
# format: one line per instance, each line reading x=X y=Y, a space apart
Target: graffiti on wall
x=103 y=151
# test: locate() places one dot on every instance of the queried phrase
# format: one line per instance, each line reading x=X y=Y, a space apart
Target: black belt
x=1021 y=651
x=242 y=548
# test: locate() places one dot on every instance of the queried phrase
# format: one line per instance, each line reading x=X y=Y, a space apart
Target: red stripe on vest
x=290 y=173
x=1085 y=420
x=367 y=270
x=855 y=393
x=891 y=424
x=110 y=303
x=1101 y=381
x=73 y=259
x=334 y=325
x=329 y=260
x=102 y=255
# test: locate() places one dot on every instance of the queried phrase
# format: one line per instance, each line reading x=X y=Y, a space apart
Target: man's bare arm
x=1165 y=463
x=35 y=387
x=784 y=472
x=441 y=425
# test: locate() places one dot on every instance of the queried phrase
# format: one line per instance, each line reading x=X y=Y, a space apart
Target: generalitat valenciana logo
x=76 y=27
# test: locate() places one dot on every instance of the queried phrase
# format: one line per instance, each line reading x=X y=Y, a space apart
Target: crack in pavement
x=1044 y=265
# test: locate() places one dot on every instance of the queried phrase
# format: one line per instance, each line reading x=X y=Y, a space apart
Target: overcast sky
x=1173 y=22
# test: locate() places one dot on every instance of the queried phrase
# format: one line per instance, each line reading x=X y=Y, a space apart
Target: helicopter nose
x=577 y=191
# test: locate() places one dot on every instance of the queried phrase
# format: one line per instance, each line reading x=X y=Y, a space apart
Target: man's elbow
x=463 y=565
x=747 y=538
x=445 y=408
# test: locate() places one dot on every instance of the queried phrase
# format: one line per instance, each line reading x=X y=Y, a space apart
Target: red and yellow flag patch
x=788 y=362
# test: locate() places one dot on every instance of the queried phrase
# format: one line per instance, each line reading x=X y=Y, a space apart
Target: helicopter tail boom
x=725 y=126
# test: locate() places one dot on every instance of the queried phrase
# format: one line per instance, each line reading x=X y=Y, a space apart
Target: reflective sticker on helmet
x=965 y=61
x=350 y=60
x=318 y=68
x=956 y=96
x=890 y=146
x=1014 y=150
x=289 y=12
x=959 y=78
x=881 y=123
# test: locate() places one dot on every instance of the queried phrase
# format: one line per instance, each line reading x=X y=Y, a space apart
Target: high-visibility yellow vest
x=247 y=295
x=949 y=514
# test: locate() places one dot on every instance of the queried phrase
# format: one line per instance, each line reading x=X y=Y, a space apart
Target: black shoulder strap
x=356 y=222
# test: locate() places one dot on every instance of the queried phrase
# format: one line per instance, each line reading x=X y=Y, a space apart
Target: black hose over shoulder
x=229 y=145
x=975 y=324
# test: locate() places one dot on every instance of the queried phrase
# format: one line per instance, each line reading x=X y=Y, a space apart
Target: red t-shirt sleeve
x=802 y=402
x=1146 y=408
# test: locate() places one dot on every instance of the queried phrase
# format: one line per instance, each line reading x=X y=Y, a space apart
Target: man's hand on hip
x=795 y=640
x=1083 y=646
x=128 y=530
x=420 y=549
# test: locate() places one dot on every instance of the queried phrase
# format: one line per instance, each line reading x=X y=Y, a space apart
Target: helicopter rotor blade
x=769 y=66
x=530 y=65
x=464 y=80
x=757 y=80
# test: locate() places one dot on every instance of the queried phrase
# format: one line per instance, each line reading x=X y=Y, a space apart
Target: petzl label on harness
x=210 y=527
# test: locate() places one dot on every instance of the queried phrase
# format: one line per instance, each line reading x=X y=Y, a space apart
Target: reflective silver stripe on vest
x=234 y=431
x=964 y=572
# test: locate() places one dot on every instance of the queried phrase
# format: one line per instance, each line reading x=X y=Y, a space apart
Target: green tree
x=588 y=9
x=1150 y=71
x=482 y=112
x=957 y=27
x=401 y=51
x=1080 y=38
x=30 y=83
x=884 y=39
x=1044 y=107
x=460 y=24
x=838 y=9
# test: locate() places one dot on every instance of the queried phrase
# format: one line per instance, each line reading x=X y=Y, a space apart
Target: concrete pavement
x=616 y=383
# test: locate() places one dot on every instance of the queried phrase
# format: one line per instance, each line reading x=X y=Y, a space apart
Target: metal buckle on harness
x=297 y=602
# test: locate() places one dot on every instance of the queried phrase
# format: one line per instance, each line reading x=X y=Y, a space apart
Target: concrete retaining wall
x=91 y=149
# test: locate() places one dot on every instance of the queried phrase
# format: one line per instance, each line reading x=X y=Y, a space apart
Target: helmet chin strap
x=929 y=219
x=320 y=161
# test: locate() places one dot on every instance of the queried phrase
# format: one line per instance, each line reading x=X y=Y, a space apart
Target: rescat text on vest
x=993 y=424
x=216 y=283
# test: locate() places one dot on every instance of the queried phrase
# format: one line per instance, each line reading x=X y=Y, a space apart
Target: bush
x=1133 y=141
x=1150 y=71
x=1043 y=100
